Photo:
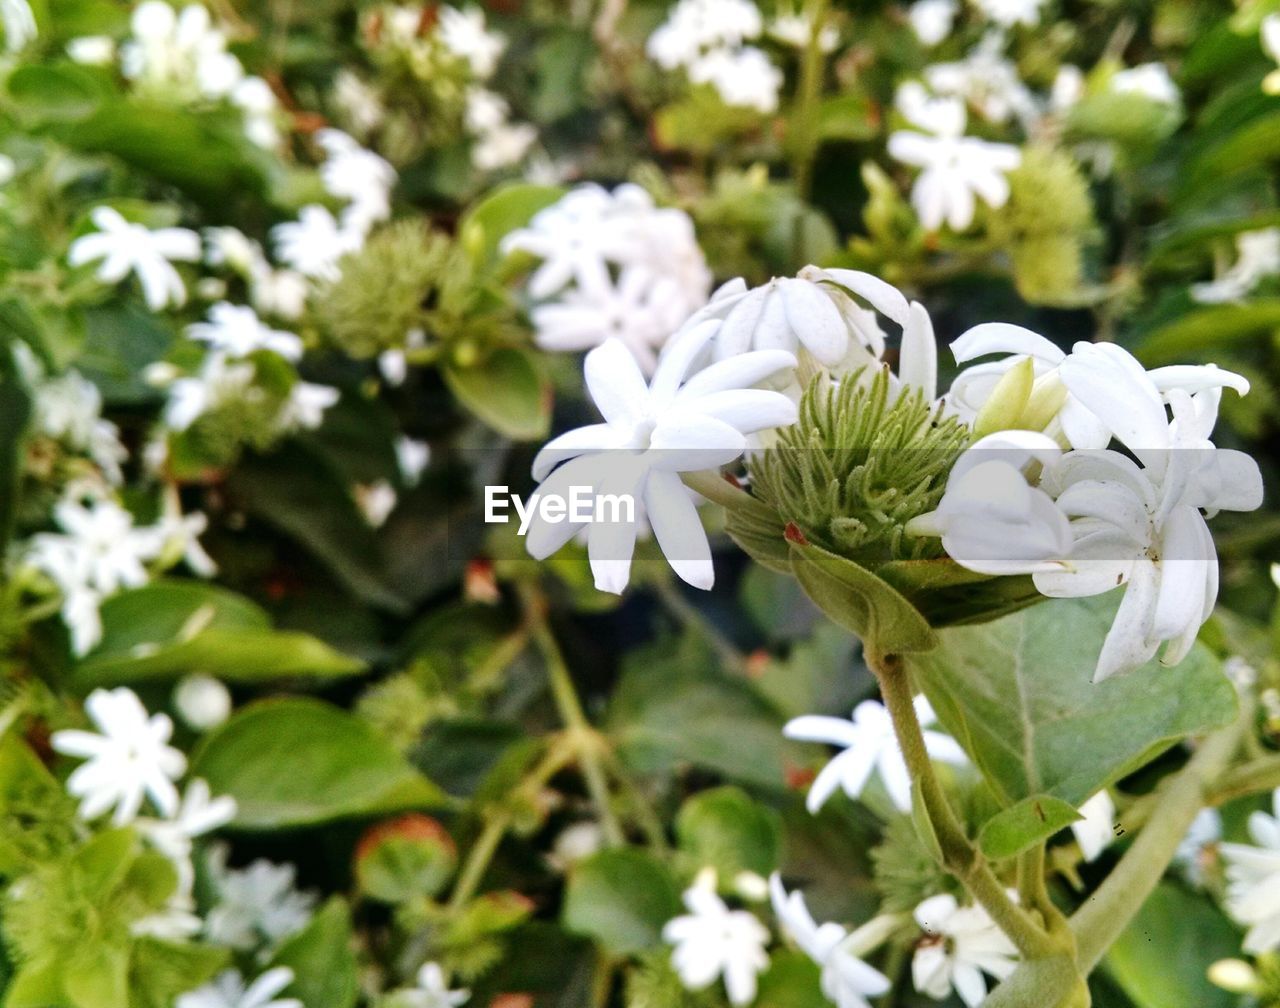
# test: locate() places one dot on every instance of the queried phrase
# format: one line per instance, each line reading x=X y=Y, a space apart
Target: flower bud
x=202 y=702
x=399 y=859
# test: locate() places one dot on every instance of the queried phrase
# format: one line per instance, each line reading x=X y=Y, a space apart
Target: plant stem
x=1099 y=922
x=960 y=857
x=585 y=740
x=1254 y=777
x=804 y=117
x=678 y=606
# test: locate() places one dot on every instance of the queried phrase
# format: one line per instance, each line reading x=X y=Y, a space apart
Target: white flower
x=502 y=146
x=1008 y=13
x=712 y=941
x=255 y=905
x=412 y=457
x=126 y=248
x=129 y=761
x=201 y=701
x=179 y=536
x=960 y=944
x=228 y=990
x=315 y=242
x=1270 y=34
x=1257 y=257
x=198 y=814
x=990 y=519
x=376 y=501
x=742 y=77
x=464 y=34
x=1253 y=880
x=361 y=104
x=1200 y=845
x=254 y=97
x=236 y=330
x=650 y=435
x=19 y=24
x=432 y=990
x=931 y=20
x=796 y=28
x=306 y=405
x=1096 y=830
x=178 y=56
x=846 y=979
x=357 y=175
x=92 y=50
x=1151 y=80
x=957 y=169
x=693 y=26
x=869 y=746
x=986 y=80
x=219 y=381
x=69 y=409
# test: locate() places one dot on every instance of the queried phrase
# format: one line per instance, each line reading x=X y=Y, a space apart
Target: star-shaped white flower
x=846 y=979
x=315 y=242
x=677 y=423
x=1253 y=880
x=432 y=990
x=228 y=990
x=960 y=944
x=129 y=761
x=124 y=247
x=869 y=746
x=464 y=33
x=1199 y=848
x=236 y=331
x=713 y=941
x=255 y=904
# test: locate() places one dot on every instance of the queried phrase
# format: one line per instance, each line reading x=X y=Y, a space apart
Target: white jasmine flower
x=219 y=381
x=357 y=175
x=502 y=146
x=126 y=248
x=236 y=330
x=987 y=81
x=931 y=20
x=198 y=814
x=92 y=50
x=129 y=761
x=111 y=552
x=432 y=990
x=1149 y=79
x=19 y=24
x=743 y=77
x=713 y=941
x=795 y=28
x=650 y=435
x=358 y=101
x=957 y=169
x=412 y=457
x=463 y=33
x=846 y=979
x=255 y=905
x=990 y=519
x=178 y=55
x=315 y=242
x=1253 y=881
x=254 y=97
x=179 y=537
x=694 y=26
x=201 y=701
x=1257 y=257
x=1096 y=830
x=1200 y=846
x=228 y=990
x=960 y=944
x=306 y=405
x=376 y=501
x=575 y=843
x=1068 y=88
x=69 y=409
x=1007 y=13
x=1270 y=34
x=869 y=745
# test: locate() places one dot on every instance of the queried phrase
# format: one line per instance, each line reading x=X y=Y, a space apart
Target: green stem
x=678 y=606
x=1254 y=777
x=959 y=856
x=1106 y=913
x=585 y=739
x=804 y=117
x=716 y=488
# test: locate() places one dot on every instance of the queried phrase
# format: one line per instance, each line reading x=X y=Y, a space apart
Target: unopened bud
x=402 y=858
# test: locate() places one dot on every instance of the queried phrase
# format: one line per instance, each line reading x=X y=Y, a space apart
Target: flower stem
x=959 y=856
x=1254 y=777
x=586 y=741
x=804 y=117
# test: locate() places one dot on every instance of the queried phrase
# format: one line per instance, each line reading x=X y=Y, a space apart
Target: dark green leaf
x=621 y=898
x=1027 y=822
x=507 y=391
x=322 y=959
x=724 y=828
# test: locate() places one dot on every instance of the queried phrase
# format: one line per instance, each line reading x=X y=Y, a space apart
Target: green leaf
x=1212 y=327
x=508 y=207
x=97 y=976
x=847 y=117
x=295 y=761
x=923 y=824
x=168 y=629
x=1162 y=958
x=507 y=391
x=161 y=970
x=59 y=92
x=857 y=600
x=1017 y=694
x=321 y=957
x=1029 y=821
x=793 y=980
x=729 y=831
x=15 y=413
x=621 y=898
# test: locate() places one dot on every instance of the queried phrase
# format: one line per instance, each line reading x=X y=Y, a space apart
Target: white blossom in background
x=795 y=28
x=498 y=142
x=869 y=746
x=315 y=242
x=465 y=34
x=92 y=50
x=68 y=408
x=19 y=24
x=1200 y=845
x=375 y=501
x=713 y=941
x=987 y=81
x=274 y=292
x=1253 y=880
x=960 y=945
x=127 y=760
x=432 y=991
x=306 y=406
x=236 y=330
x=1257 y=257
x=1008 y=13
x=1150 y=80
x=359 y=102
x=356 y=175
x=256 y=906
x=956 y=169
x=228 y=990
x=201 y=701
x=178 y=55
x=412 y=457
x=611 y=266
x=932 y=20
x=219 y=381
x=1269 y=31
x=679 y=422
x=1095 y=832
x=124 y=247
x=743 y=77
x=846 y=980
x=179 y=537
x=261 y=109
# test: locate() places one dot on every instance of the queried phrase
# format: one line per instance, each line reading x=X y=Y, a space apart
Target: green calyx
x=858 y=465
